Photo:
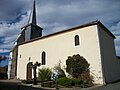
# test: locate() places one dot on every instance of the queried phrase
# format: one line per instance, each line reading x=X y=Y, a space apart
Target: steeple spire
x=32 y=19
x=31 y=30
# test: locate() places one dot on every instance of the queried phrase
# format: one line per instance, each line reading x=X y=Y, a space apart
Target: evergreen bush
x=44 y=74
x=77 y=81
x=65 y=81
x=76 y=65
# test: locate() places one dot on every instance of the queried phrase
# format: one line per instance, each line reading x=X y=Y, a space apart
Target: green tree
x=76 y=65
x=44 y=74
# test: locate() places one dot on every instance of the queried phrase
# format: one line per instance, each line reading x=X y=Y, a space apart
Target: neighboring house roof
x=74 y=28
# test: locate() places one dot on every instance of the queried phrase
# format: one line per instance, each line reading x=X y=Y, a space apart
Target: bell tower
x=31 y=30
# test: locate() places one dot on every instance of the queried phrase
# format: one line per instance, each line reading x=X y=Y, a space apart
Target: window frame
x=43 y=58
x=76 y=40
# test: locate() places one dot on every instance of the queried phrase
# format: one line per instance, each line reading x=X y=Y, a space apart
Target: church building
x=92 y=40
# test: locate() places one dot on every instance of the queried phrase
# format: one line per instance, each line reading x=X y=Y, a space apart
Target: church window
x=43 y=58
x=76 y=40
x=29 y=58
x=20 y=55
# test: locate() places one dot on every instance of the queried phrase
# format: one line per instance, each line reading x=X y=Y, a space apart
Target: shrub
x=44 y=74
x=3 y=75
x=72 y=82
x=65 y=81
x=76 y=65
x=87 y=78
x=59 y=70
x=77 y=81
x=46 y=84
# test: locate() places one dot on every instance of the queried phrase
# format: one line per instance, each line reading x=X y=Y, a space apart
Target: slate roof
x=96 y=22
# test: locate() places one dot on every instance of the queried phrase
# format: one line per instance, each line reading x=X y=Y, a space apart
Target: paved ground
x=114 y=86
x=16 y=85
x=9 y=85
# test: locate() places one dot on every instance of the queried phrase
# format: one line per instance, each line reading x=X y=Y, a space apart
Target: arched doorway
x=29 y=71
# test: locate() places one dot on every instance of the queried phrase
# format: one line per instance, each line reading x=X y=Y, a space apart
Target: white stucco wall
x=110 y=63
x=59 y=47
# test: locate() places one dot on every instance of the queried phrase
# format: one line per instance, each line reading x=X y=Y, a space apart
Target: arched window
x=43 y=58
x=76 y=40
x=29 y=58
x=20 y=55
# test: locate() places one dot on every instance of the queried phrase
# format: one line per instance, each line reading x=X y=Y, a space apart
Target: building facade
x=93 y=41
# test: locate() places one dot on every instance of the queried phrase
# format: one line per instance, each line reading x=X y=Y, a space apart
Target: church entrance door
x=29 y=71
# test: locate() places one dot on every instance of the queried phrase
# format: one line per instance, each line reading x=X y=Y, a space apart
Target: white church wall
x=110 y=63
x=59 y=47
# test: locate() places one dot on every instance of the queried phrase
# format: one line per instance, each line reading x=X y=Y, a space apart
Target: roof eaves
x=100 y=24
x=67 y=30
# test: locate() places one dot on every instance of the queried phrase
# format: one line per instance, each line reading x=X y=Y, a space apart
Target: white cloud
x=55 y=27
x=116 y=31
x=4 y=50
x=9 y=32
x=117 y=50
x=56 y=15
x=77 y=12
x=117 y=44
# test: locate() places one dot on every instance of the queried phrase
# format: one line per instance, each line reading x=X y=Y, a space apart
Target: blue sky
x=56 y=15
x=4 y=62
